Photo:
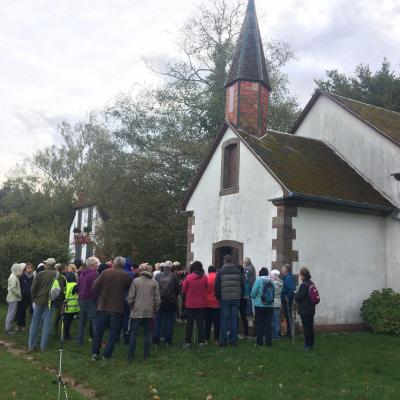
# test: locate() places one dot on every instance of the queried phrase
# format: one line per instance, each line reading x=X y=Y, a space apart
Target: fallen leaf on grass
x=280 y=386
x=209 y=397
x=13 y=394
x=200 y=373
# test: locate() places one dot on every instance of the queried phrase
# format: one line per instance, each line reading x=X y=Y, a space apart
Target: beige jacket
x=144 y=296
x=14 y=287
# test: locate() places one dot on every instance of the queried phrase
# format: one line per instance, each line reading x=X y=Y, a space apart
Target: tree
x=136 y=159
x=381 y=88
x=207 y=42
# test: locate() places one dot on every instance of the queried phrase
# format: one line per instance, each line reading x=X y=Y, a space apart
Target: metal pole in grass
x=293 y=317
x=61 y=349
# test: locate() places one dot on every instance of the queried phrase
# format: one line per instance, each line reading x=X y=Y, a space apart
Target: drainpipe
x=396 y=215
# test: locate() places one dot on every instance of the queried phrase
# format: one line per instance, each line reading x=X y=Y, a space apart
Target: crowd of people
x=123 y=298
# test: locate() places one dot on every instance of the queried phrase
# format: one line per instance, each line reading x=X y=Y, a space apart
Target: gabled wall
x=375 y=157
x=361 y=146
x=244 y=217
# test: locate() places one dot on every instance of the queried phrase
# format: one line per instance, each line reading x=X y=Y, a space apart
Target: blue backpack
x=268 y=293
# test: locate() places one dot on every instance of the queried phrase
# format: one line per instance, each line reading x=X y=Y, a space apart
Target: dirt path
x=71 y=382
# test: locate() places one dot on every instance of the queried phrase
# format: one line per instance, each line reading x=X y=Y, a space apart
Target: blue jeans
x=276 y=323
x=229 y=310
x=164 y=323
x=103 y=317
x=41 y=314
x=88 y=312
x=136 y=323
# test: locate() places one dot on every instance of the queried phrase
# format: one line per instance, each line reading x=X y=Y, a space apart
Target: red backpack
x=313 y=293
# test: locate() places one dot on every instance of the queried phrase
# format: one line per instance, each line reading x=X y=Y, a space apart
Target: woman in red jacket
x=195 y=289
x=212 y=310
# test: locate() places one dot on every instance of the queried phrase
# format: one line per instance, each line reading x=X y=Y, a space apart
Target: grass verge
x=360 y=366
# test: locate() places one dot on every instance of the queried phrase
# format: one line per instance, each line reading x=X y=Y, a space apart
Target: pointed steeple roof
x=248 y=62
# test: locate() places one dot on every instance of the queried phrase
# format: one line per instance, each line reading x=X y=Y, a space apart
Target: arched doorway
x=224 y=247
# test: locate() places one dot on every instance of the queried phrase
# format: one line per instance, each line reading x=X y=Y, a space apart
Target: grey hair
x=247 y=260
x=145 y=267
x=92 y=261
x=119 y=262
x=168 y=264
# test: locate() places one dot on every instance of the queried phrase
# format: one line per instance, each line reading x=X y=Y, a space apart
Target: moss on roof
x=386 y=121
x=309 y=166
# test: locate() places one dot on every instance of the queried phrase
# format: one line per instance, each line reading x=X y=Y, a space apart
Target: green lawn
x=343 y=366
x=23 y=381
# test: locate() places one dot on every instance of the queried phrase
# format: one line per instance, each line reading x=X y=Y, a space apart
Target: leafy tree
x=33 y=224
x=380 y=88
x=207 y=42
x=136 y=159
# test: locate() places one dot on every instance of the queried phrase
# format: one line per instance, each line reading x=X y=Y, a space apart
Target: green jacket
x=41 y=286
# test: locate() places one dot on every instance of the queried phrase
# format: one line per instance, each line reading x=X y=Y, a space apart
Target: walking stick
x=59 y=376
x=293 y=318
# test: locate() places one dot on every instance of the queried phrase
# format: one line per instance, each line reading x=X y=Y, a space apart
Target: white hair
x=275 y=274
x=92 y=261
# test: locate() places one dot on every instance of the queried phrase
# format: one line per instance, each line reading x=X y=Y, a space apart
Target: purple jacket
x=85 y=282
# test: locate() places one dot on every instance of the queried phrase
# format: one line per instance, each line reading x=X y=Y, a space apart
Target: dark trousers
x=229 y=311
x=23 y=305
x=287 y=309
x=195 y=314
x=164 y=323
x=136 y=323
x=68 y=318
x=243 y=316
x=263 y=325
x=212 y=318
x=103 y=319
x=307 y=321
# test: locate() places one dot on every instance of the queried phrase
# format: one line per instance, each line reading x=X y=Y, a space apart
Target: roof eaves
x=360 y=173
x=358 y=116
x=335 y=201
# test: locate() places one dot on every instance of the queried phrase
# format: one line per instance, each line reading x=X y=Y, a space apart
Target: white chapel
x=325 y=195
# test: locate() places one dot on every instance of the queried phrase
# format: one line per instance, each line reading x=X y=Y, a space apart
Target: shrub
x=381 y=311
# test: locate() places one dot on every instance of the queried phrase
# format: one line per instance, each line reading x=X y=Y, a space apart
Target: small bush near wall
x=381 y=311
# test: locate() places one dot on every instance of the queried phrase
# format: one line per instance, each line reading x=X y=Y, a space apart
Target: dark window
x=230 y=167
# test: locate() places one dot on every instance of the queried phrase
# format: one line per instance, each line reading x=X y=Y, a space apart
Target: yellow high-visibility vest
x=72 y=305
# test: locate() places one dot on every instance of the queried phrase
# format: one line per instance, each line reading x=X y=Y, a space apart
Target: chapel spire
x=247 y=84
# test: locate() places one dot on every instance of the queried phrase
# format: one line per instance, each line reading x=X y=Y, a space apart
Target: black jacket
x=303 y=299
x=229 y=283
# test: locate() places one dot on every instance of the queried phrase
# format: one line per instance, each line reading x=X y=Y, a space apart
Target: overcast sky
x=61 y=59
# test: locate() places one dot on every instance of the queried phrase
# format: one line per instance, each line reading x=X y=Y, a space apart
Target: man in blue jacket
x=287 y=296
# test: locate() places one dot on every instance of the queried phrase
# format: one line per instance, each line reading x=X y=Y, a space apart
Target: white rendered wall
x=365 y=149
x=345 y=253
x=393 y=253
x=245 y=216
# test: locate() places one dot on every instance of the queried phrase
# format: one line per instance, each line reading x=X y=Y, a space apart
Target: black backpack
x=167 y=287
x=268 y=293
